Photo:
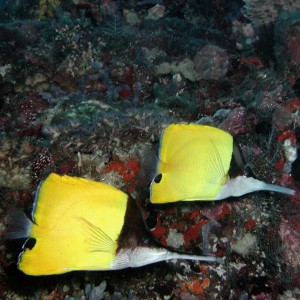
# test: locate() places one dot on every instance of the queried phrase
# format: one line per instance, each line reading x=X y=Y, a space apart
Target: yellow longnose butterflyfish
x=80 y=224
x=194 y=164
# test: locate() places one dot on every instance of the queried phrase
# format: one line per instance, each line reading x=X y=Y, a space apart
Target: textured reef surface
x=86 y=88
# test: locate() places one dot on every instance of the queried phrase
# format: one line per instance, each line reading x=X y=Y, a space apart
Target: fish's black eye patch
x=30 y=243
x=158 y=178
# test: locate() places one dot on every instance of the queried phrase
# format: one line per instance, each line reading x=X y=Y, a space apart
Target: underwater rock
x=291 y=241
x=5 y=69
x=287 y=34
x=175 y=239
x=14 y=177
x=244 y=33
x=35 y=79
x=185 y=67
x=236 y=122
x=97 y=292
x=66 y=81
x=245 y=245
x=131 y=17
x=156 y=12
x=14 y=169
x=211 y=63
x=264 y=13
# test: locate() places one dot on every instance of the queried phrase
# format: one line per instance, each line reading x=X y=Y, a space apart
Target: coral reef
x=287 y=41
x=86 y=88
x=267 y=12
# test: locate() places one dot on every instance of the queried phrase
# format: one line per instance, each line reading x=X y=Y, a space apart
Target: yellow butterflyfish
x=194 y=164
x=80 y=224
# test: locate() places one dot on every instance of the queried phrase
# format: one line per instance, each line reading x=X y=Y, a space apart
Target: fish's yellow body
x=194 y=161
x=76 y=226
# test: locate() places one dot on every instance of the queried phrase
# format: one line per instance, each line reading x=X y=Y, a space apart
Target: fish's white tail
x=142 y=256
x=196 y=257
x=17 y=223
x=242 y=185
x=278 y=189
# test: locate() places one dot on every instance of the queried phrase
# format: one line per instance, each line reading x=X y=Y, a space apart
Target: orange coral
x=127 y=170
x=293 y=104
x=289 y=134
x=250 y=224
x=252 y=61
x=196 y=287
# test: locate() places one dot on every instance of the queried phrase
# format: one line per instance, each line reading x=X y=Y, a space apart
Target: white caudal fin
x=141 y=256
x=242 y=185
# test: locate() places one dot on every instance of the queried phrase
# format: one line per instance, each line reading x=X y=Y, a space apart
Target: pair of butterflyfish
x=80 y=224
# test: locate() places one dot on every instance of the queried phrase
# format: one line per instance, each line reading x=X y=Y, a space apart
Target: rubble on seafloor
x=86 y=88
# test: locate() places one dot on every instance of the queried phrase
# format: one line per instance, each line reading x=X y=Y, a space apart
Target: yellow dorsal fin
x=78 y=222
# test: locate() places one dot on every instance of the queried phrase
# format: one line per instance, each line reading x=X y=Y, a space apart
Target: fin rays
x=98 y=240
x=218 y=168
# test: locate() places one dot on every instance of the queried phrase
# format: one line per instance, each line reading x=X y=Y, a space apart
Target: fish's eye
x=30 y=243
x=158 y=178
